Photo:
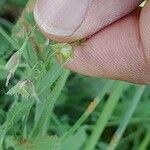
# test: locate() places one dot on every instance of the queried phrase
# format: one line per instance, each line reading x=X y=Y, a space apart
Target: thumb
x=60 y=17
x=71 y=20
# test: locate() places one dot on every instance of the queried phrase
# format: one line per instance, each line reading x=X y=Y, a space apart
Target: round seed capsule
x=66 y=51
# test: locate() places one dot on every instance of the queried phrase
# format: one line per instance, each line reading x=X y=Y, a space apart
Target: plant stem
x=132 y=106
x=105 y=115
x=89 y=110
x=26 y=40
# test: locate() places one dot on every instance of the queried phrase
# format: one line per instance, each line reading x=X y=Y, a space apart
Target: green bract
x=12 y=65
x=24 y=88
x=13 y=62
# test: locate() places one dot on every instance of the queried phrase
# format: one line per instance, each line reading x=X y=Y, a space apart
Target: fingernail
x=60 y=17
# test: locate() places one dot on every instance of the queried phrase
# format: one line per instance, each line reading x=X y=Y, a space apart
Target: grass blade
x=132 y=106
x=145 y=142
x=9 y=39
x=89 y=110
x=105 y=115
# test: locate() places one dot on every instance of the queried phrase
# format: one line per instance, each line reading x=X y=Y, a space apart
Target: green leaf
x=40 y=38
x=2 y=116
x=76 y=141
x=42 y=143
x=3 y=74
x=41 y=125
x=29 y=17
x=17 y=111
x=30 y=54
x=45 y=82
x=4 y=46
x=49 y=78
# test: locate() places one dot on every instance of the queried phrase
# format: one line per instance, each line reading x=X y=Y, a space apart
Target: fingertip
x=60 y=18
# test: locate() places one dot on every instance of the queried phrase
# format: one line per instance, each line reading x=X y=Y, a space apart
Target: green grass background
x=63 y=119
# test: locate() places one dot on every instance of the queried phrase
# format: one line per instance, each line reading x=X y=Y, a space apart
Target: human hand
x=117 y=32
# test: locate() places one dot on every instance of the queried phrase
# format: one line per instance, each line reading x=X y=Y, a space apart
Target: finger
x=145 y=30
x=70 y=20
x=117 y=51
x=53 y=15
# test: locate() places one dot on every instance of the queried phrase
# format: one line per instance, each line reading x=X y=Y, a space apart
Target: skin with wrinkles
x=118 y=44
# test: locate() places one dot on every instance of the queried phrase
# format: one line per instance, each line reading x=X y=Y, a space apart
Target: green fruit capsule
x=67 y=51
